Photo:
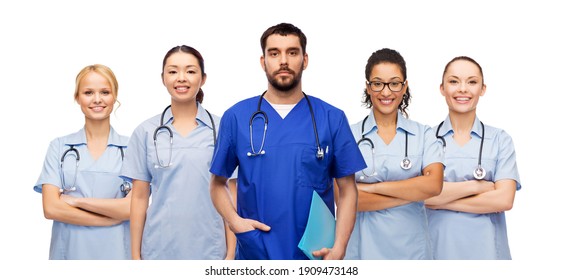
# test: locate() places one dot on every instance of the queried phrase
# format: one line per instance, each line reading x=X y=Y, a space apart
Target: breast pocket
x=107 y=185
x=314 y=172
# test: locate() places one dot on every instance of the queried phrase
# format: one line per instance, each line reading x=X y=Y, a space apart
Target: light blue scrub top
x=181 y=221
x=399 y=232
x=94 y=179
x=459 y=235
x=276 y=188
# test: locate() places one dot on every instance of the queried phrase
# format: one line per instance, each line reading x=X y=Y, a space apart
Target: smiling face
x=95 y=97
x=462 y=85
x=182 y=76
x=386 y=102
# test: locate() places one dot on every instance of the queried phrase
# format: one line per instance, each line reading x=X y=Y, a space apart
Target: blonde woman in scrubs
x=80 y=184
x=467 y=219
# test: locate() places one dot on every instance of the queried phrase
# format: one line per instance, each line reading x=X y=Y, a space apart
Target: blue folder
x=320 y=229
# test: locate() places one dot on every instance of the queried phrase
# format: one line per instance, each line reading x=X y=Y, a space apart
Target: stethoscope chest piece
x=479 y=173
x=72 y=151
x=125 y=188
x=406 y=164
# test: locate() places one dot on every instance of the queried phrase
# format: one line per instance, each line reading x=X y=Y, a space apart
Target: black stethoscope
x=261 y=114
x=479 y=172
x=169 y=131
x=72 y=151
x=406 y=163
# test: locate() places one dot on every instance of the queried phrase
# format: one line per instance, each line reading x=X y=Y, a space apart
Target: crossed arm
x=475 y=196
x=83 y=211
x=383 y=195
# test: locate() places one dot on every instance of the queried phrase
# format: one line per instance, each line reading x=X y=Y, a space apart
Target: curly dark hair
x=386 y=55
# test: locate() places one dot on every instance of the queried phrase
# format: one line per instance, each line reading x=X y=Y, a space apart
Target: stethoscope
x=169 y=131
x=406 y=163
x=72 y=151
x=479 y=172
x=261 y=114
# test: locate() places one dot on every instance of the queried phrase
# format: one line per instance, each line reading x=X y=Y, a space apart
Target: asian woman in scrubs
x=80 y=184
x=467 y=219
x=169 y=163
x=404 y=167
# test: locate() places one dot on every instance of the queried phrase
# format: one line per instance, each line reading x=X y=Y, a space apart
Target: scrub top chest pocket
x=313 y=171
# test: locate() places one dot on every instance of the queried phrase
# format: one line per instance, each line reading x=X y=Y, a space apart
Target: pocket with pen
x=314 y=172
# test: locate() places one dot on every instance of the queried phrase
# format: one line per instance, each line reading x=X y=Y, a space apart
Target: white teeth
x=462 y=98
x=182 y=88
x=386 y=101
x=98 y=109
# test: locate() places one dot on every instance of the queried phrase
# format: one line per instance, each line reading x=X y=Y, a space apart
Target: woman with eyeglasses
x=80 y=185
x=467 y=220
x=169 y=163
x=404 y=167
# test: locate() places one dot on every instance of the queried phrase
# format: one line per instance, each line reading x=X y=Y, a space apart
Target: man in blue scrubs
x=286 y=145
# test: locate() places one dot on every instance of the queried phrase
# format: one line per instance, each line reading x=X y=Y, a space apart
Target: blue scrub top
x=276 y=188
x=399 y=232
x=94 y=179
x=459 y=235
x=181 y=222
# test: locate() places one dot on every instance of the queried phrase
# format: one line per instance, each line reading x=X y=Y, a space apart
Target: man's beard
x=286 y=84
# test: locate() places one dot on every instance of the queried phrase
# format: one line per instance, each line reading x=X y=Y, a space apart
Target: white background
x=45 y=44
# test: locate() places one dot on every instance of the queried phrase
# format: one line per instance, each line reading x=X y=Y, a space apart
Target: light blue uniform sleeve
x=51 y=167
x=506 y=160
x=433 y=149
x=135 y=163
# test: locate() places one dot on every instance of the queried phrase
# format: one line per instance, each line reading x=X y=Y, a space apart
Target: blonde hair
x=102 y=70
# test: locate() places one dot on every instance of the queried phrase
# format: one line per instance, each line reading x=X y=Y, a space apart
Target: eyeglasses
x=379 y=86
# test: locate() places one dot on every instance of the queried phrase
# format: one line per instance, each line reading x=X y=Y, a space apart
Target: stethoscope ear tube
x=171 y=135
x=71 y=188
x=259 y=113
x=405 y=164
x=372 y=148
x=124 y=189
x=479 y=173
x=71 y=149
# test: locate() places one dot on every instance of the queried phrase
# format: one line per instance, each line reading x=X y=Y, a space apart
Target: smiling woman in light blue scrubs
x=169 y=163
x=404 y=167
x=80 y=181
x=467 y=220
